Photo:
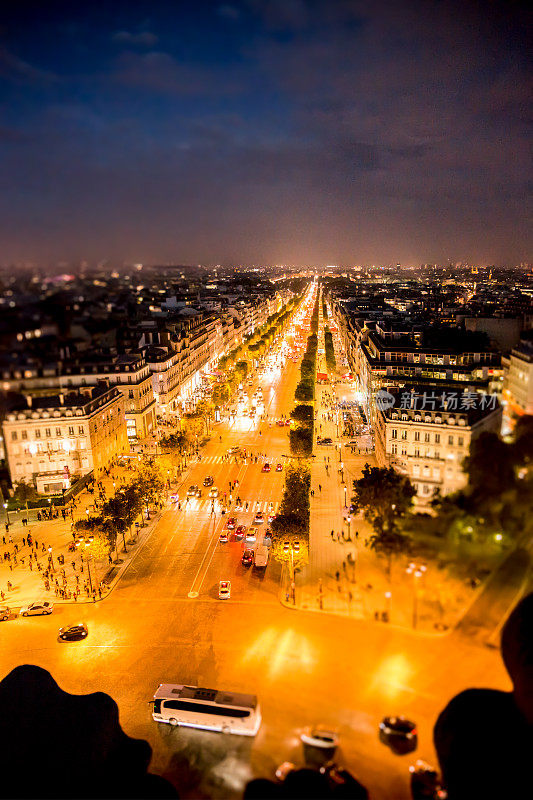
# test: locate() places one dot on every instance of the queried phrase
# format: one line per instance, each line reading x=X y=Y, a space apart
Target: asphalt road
x=305 y=667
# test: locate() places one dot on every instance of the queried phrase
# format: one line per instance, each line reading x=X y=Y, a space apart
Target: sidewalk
x=344 y=576
x=52 y=537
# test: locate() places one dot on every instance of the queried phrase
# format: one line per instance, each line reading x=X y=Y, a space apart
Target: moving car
x=234 y=449
x=240 y=531
x=213 y=492
x=230 y=524
x=280 y=422
x=38 y=608
x=271 y=518
x=5 y=613
x=193 y=490
x=324 y=440
x=279 y=467
x=261 y=555
x=208 y=481
x=224 y=590
x=247 y=557
x=398 y=733
x=251 y=535
x=223 y=537
x=259 y=518
x=266 y=468
x=174 y=498
x=319 y=736
x=73 y=633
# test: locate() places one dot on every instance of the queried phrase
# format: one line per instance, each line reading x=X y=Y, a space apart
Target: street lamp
x=341 y=470
x=388 y=598
x=345 y=497
x=416 y=570
x=89 y=569
x=7 y=513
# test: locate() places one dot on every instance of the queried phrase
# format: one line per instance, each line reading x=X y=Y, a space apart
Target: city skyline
x=251 y=132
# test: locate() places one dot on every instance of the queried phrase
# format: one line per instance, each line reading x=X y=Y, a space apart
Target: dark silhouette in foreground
x=55 y=744
x=484 y=737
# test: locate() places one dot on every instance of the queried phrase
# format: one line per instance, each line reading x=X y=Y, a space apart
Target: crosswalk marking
x=230 y=462
x=265 y=506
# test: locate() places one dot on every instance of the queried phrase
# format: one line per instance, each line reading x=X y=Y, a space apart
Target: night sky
x=276 y=131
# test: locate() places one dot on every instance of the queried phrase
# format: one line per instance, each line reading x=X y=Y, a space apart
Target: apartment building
x=128 y=372
x=425 y=433
x=388 y=354
x=518 y=380
x=164 y=365
x=50 y=440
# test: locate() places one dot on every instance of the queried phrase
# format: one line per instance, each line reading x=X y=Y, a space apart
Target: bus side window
x=157 y=706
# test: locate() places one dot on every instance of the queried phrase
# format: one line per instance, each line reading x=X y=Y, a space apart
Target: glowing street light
x=416 y=570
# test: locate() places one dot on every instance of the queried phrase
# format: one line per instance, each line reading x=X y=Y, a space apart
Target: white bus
x=193 y=707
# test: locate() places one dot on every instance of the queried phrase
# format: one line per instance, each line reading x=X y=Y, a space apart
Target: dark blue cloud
x=265 y=131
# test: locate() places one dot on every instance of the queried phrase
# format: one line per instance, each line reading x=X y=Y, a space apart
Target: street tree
x=304 y=414
x=304 y=391
x=241 y=370
x=390 y=543
x=385 y=497
x=120 y=511
x=98 y=549
x=220 y=394
x=489 y=466
x=205 y=410
x=149 y=484
x=193 y=426
x=301 y=441
x=25 y=492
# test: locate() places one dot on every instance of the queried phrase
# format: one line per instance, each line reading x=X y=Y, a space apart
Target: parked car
x=398 y=733
x=208 y=481
x=247 y=557
x=73 y=633
x=224 y=590
x=5 y=613
x=266 y=468
x=320 y=736
x=38 y=608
